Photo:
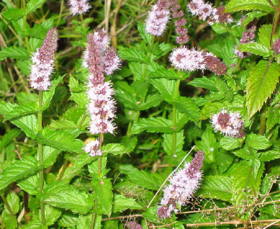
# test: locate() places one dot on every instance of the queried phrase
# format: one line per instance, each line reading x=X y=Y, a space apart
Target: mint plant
x=139 y=114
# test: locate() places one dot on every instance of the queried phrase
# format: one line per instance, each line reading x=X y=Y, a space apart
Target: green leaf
x=204 y=82
x=264 y=34
x=151 y=214
x=139 y=70
x=251 y=16
x=257 y=142
x=114 y=148
x=167 y=88
x=142 y=178
x=156 y=70
x=229 y=143
x=151 y=101
x=18 y=170
x=33 y=5
x=85 y=222
x=80 y=161
x=122 y=203
x=25 y=98
x=270 y=155
x=148 y=38
x=8 y=138
x=260 y=85
x=239 y=5
x=61 y=195
x=48 y=95
x=8 y=221
x=132 y=54
x=104 y=195
x=255 y=48
x=28 y=124
x=77 y=92
x=30 y=185
x=272 y=119
x=13 y=201
x=14 y=53
x=187 y=106
x=12 y=111
x=217 y=187
x=153 y=125
x=168 y=142
x=13 y=14
x=68 y=220
x=24 y=67
x=126 y=95
x=49 y=156
x=246 y=153
x=51 y=215
x=62 y=140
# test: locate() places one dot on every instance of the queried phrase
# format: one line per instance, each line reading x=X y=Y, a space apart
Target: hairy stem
x=275 y=22
x=40 y=153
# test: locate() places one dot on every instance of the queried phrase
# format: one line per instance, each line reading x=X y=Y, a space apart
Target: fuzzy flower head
x=92 y=148
x=157 y=20
x=276 y=46
x=228 y=123
x=133 y=225
x=182 y=187
x=42 y=62
x=201 y=9
x=78 y=6
x=219 y=16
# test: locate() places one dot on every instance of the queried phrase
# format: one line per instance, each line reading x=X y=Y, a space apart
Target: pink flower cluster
x=133 y=225
x=228 y=123
x=247 y=37
x=206 y=11
x=101 y=60
x=79 y=6
x=191 y=60
x=42 y=62
x=183 y=185
x=276 y=46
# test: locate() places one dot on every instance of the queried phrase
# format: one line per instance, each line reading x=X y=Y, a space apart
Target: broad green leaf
x=156 y=70
x=13 y=14
x=210 y=109
x=14 y=53
x=239 y=5
x=24 y=67
x=167 y=88
x=264 y=34
x=257 y=142
x=104 y=195
x=68 y=220
x=228 y=52
x=49 y=156
x=141 y=178
x=246 y=153
x=139 y=70
x=230 y=143
x=61 y=195
x=255 y=48
x=270 y=155
x=260 y=85
x=220 y=28
x=217 y=187
x=132 y=54
x=187 y=106
x=25 y=98
x=151 y=101
x=122 y=203
x=151 y=214
x=51 y=215
x=61 y=140
x=30 y=184
x=12 y=111
x=251 y=16
x=204 y=82
x=114 y=148
x=170 y=141
x=18 y=170
x=32 y=5
x=8 y=221
x=76 y=168
x=94 y=167
x=129 y=143
x=48 y=95
x=126 y=95
x=153 y=125
x=148 y=38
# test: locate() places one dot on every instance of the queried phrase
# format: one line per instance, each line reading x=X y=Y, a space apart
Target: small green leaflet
x=255 y=48
x=239 y=5
x=257 y=142
x=122 y=203
x=14 y=53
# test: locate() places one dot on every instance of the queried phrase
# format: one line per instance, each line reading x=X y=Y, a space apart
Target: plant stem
x=7 y=206
x=40 y=153
x=275 y=22
x=82 y=121
x=60 y=12
x=101 y=139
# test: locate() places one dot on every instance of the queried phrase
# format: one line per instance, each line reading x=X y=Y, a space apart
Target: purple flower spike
x=42 y=66
x=182 y=187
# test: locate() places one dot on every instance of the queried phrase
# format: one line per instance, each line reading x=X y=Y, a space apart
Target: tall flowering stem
x=101 y=60
x=41 y=71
